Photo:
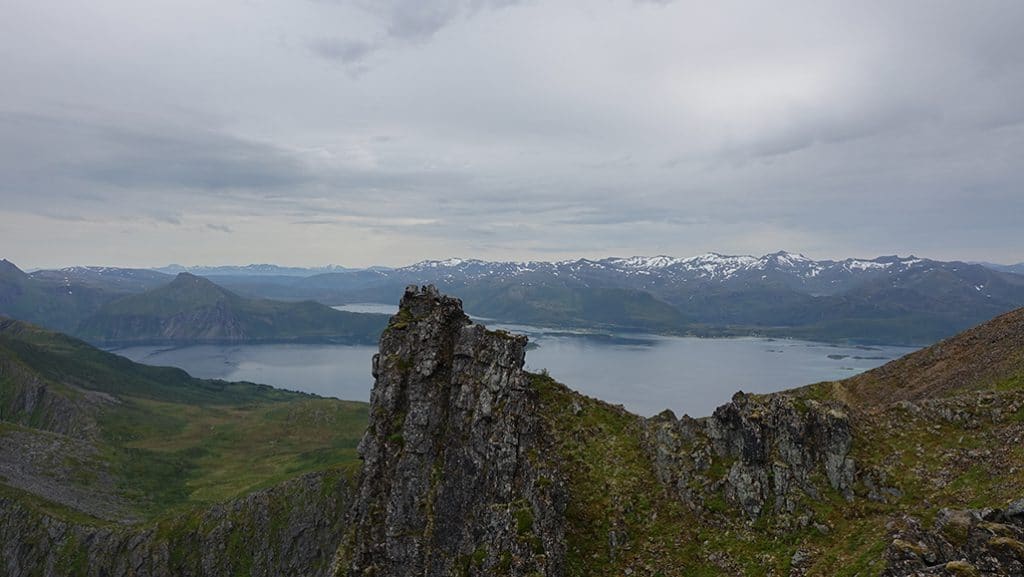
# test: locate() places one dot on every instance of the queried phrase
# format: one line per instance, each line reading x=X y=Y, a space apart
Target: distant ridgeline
x=127 y=306
x=468 y=465
x=889 y=300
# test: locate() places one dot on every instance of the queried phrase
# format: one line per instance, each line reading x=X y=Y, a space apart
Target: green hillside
x=193 y=309
x=935 y=443
x=573 y=307
x=102 y=436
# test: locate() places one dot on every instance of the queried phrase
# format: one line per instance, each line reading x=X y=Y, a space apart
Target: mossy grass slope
x=169 y=442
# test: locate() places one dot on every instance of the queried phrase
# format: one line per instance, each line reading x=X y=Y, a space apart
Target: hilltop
x=121 y=306
x=192 y=309
x=59 y=305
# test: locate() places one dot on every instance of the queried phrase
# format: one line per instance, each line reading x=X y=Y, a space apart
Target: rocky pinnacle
x=454 y=479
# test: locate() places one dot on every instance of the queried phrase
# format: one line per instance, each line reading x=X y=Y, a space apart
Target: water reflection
x=645 y=373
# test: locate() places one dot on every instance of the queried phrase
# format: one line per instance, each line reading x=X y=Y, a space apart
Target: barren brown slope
x=983 y=357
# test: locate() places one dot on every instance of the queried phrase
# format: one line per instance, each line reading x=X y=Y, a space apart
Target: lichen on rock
x=773 y=451
x=453 y=457
x=982 y=542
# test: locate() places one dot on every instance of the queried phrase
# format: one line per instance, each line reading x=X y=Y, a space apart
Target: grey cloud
x=557 y=128
x=198 y=160
x=346 y=51
x=419 y=20
x=166 y=218
x=48 y=152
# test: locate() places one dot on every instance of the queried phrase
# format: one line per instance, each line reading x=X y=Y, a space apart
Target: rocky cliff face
x=289 y=530
x=454 y=480
x=757 y=452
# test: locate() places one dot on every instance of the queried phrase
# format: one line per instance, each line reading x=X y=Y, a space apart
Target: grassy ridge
x=614 y=490
x=170 y=441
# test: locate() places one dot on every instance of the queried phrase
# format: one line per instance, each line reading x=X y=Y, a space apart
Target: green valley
x=93 y=432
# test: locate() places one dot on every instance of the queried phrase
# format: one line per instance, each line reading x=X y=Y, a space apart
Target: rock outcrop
x=454 y=480
x=289 y=530
x=776 y=450
x=28 y=400
x=985 y=542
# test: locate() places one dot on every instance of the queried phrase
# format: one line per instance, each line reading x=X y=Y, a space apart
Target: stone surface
x=774 y=450
x=454 y=480
x=985 y=542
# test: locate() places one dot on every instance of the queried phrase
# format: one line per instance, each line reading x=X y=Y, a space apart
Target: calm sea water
x=644 y=373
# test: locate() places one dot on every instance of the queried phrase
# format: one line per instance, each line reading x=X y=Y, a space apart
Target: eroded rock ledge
x=763 y=455
x=454 y=480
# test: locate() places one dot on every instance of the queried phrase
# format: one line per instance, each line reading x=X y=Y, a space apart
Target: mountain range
x=136 y=306
x=889 y=299
x=1014 y=268
x=192 y=309
x=468 y=465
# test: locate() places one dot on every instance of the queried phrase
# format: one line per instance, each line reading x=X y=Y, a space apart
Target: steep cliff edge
x=455 y=479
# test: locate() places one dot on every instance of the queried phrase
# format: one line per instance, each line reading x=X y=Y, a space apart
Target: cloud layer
x=359 y=132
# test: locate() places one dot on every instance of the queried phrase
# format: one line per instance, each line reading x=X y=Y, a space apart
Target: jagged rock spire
x=453 y=481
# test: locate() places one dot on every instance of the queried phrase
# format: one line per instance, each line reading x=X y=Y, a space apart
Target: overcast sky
x=363 y=132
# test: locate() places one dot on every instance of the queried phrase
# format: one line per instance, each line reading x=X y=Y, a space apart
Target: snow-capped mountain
x=789 y=269
x=883 y=299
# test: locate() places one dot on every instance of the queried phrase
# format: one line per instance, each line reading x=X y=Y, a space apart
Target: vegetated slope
x=922 y=475
x=108 y=467
x=193 y=309
x=573 y=306
x=984 y=357
x=165 y=439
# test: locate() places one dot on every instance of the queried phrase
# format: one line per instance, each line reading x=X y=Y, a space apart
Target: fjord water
x=645 y=373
